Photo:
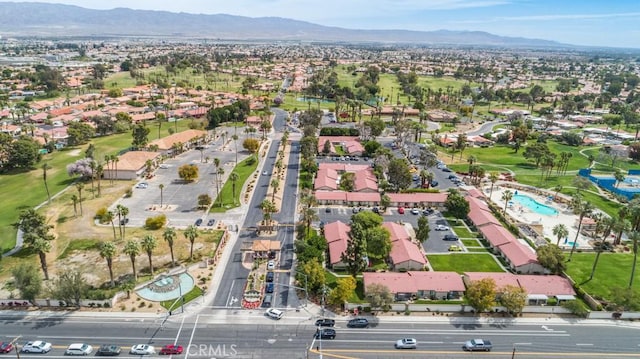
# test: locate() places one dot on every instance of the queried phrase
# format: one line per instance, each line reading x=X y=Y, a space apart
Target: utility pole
x=513 y=354
x=14 y=342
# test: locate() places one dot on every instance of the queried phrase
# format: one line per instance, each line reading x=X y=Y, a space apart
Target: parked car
x=269 y=288
x=446 y=169
x=434 y=183
x=450 y=237
x=171 y=349
x=6 y=347
x=124 y=221
x=108 y=350
x=79 y=349
x=327 y=210
x=37 y=346
x=142 y=349
x=325 y=333
x=325 y=322
x=358 y=323
x=376 y=210
x=428 y=211
x=271 y=265
x=142 y=185
x=415 y=211
x=455 y=248
x=274 y=313
x=477 y=345
x=441 y=227
x=198 y=222
x=400 y=210
x=355 y=210
x=211 y=222
x=164 y=166
x=269 y=277
x=406 y=343
x=452 y=177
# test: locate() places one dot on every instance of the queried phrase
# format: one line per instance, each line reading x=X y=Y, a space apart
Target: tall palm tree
x=506 y=197
x=42 y=246
x=560 y=231
x=235 y=141
x=161 y=186
x=99 y=173
x=148 y=244
x=80 y=187
x=109 y=217
x=132 y=249
x=74 y=201
x=220 y=174
x=45 y=167
x=191 y=233
x=170 y=236
x=423 y=177
x=582 y=208
x=108 y=251
x=274 y=185
x=234 y=177
x=493 y=178
x=309 y=215
x=635 y=237
x=470 y=160
x=557 y=188
x=267 y=208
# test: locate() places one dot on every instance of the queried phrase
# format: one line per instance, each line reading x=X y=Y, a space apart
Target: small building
x=418 y=285
x=405 y=255
x=130 y=165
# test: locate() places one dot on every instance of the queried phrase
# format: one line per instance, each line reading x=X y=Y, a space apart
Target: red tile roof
x=418 y=197
x=412 y=282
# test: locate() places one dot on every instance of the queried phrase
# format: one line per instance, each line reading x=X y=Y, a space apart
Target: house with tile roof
x=188 y=139
x=131 y=165
x=539 y=288
x=418 y=285
x=337 y=236
x=405 y=254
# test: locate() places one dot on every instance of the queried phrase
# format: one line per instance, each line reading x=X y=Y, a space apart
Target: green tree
x=582 y=208
x=108 y=251
x=70 y=287
x=635 y=237
x=234 y=177
x=45 y=167
x=148 y=244
x=27 y=280
x=344 y=288
x=619 y=176
x=132 y=249
x=251 y=144
x=422 y=231
x=560 y=231
x=21 y=153
x=204 y=201
x=268 y=208
x=398 y=173
x=513 y=298
x=347 y=181
x=274 y=187
x=315 y=278
x=493 y=178
x=191 y=233
x=79 y=188
x=188 y=173
x=79 y=133
x=354 y=255
x=170 y=235
x=140 y=134
x=378 y=242
x=456 y=204
x=551 y=257
x=161 y=186
x=379 y=296
x=507 y=196
x=481 y=294
x=385 y=201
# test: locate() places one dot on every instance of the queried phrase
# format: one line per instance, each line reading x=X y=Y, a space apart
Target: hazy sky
x=580 y=22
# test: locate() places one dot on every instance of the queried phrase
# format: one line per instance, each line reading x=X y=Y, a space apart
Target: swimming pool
x=534 y=205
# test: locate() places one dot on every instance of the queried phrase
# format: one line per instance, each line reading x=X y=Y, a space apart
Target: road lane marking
x=493 y=353
x=230 y=292
x=584 y=344
x=193 y=332
x=179 y=330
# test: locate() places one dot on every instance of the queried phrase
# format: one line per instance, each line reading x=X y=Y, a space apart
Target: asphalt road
x=251 y=335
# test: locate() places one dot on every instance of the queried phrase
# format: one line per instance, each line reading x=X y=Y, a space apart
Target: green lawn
x=226 y=200
x=356 y=297
x=471 y=243
x=463 y=232
x=461 y=262
x=614 y=270
x=193 y=294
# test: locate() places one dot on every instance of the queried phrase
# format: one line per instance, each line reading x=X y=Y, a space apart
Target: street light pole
x=306 y=287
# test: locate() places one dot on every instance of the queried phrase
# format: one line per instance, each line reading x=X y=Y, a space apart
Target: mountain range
x=20 y=19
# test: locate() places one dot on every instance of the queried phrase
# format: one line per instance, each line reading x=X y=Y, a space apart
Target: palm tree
x=109 y=217
x=560 y=231
x=506 y=197
x=45 y=167
x=267 y=208
x=99 y=173
x=470 y=160
x=274 y=184
x=309 y=215
x=220 y=174
x=132 y=249
x=581 y=208
x=191 y=233
x=80 y=187
x=234 y=177
x=170 y=236
x=635 y=236
x=42 y=247
x=92 y=165
x=423 y=177
x=493 y=178
x=235 y=141
x=148 y=244
x=122 y=215
x=161 y=186
x=74 y=201
x=619 y=176
x=557 y=188
x=108 y=251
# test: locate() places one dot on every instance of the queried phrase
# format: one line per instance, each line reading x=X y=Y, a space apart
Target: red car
x=171 y=349
x=400 y=210
x=6 y=347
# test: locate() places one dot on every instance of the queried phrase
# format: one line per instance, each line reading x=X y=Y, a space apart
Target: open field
x=613 y=271
x=226 y=199
x=462 y=262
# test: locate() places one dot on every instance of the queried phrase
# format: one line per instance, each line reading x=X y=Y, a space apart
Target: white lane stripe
x=44 y=337
x=193 y=332
x=179 y=331
x=584 y=344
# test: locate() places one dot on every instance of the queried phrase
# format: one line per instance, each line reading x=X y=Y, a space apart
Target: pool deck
x=523 y=214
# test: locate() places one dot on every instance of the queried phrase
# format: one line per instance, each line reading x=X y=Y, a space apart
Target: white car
x=274 y=313
x=79 y=349
x=37 y=346
x=142 y=185
x=440 y=227
x=415 y=211
x=271 y=265
x=142 y=349
x=407 y=343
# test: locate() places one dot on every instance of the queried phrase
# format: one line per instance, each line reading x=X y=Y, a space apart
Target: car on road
x=198 y=222
x=358 y=323
x=325 y=333
x=441 y=227
x=269 y=277
x=211 y=222
x=415 y=211
x=164 y=166
x=274 y=313
x=450 y=237
x=37 y=346
x=400 y=210
x=474 y=345
x=79 y=349
x=271 y=265
x=455 y=248
x=406 y=343
x=171 y=349
x=108 y=350
x=265 y=173
x=142 y=185
x=269 y=288
x=6 y=347
x=142 y=349
x=325 y=322
x=446 y=169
